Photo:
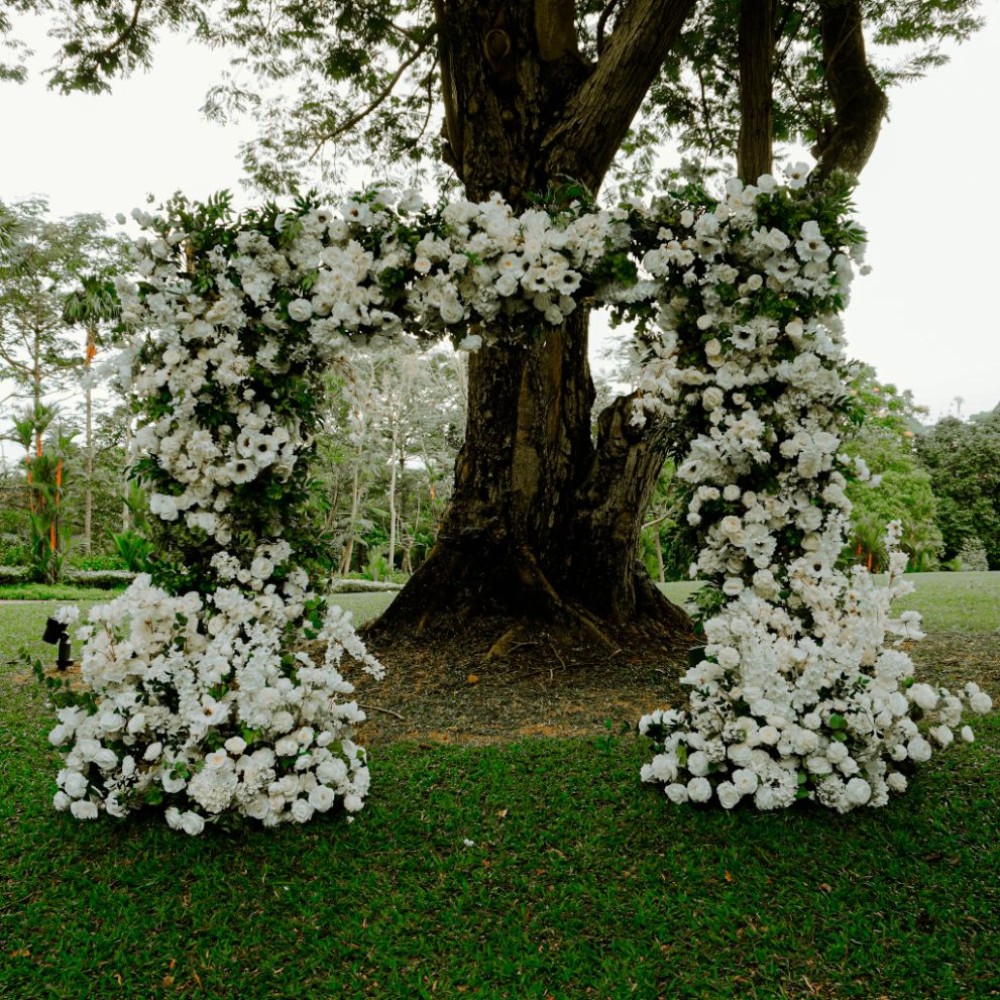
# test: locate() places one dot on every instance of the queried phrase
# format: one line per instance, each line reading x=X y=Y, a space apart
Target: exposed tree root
x=509 y=612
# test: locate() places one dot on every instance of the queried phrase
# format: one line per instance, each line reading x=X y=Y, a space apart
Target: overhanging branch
x=379 y=99
x=585 y=140
x=858 y=101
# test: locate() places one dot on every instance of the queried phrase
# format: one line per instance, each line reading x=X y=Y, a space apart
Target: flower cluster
x=195 y=705
x=803 y=691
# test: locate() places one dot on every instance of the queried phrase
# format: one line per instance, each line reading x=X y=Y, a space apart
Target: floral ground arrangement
x=200 y=696
x=538 y=867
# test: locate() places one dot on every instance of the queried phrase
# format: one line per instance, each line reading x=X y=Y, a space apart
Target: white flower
x=322 y=797
x=729 y=794
x=942 y=735
x=924 y=695
x=699 y=789
x=967 y=735
x=797 y=175
x=858 y=791
x=300 y=310
x=677 y=793
x=980 y=703
x=74 y=784
x=302 y=810
x=67 y=615
x=698 y=763
x=191 y=823
x=83 y=809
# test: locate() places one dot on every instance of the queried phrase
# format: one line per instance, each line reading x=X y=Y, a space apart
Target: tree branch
x=452 y=119
x=584 y=141
x=123 y=37
x=858 y=101
x=602 y=22
x=380 y=98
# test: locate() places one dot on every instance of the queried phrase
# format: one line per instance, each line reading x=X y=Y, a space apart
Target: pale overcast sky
x=923 y=317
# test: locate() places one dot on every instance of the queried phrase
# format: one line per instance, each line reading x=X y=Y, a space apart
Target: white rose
x=712 y=398
x=980 y=703
x=728 y=794
x=699 y=790
x=818 y=765
x=322 y=797
x=677 y=793
x=332 y=772
x=84 y=809
x=698 y=763
x=191 y=823
x=74 y=784
x=896 y=782
x=924 y=695
x=302 y=811
x=258 y=807
x=858 y=791
x=943 y=735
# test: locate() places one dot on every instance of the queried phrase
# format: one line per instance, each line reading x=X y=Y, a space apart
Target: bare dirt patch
x=544 y=690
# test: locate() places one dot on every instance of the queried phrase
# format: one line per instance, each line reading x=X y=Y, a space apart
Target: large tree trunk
x=544 y=523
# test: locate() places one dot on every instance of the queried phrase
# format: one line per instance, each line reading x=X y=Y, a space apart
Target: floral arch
x=203 y=696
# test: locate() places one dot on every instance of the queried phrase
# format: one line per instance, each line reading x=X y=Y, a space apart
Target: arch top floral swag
x=203 y=693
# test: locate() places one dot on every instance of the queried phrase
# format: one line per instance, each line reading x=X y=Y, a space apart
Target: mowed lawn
x=539 y=869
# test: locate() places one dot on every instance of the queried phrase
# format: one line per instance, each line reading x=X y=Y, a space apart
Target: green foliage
x=133 y=550
x=963 y=459
x=887 y=424
x=362 y=80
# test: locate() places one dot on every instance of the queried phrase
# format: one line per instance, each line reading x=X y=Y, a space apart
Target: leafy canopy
x=330 y=83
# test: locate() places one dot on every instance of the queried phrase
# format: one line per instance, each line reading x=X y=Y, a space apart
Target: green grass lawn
x=581 y=882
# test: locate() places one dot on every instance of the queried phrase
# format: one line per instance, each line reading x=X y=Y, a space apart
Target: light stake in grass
x=55 y=632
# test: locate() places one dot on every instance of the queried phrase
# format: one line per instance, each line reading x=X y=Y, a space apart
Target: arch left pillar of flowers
x=200 y=697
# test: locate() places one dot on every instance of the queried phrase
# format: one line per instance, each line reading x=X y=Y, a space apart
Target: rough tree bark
x=544 y=522
x=545 y=518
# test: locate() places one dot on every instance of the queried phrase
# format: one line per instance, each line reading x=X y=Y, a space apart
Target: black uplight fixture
x=55 y=632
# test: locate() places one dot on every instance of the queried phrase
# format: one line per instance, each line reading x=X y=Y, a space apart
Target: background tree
x=93 y=306
x=890 y=424
x=44 y=260
x=963 y=459
x=545 y=519
x=389 y=445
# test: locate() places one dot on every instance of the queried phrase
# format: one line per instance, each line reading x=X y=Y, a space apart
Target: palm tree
x=93 y=303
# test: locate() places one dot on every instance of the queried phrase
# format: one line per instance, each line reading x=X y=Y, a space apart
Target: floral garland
x=199 y=698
